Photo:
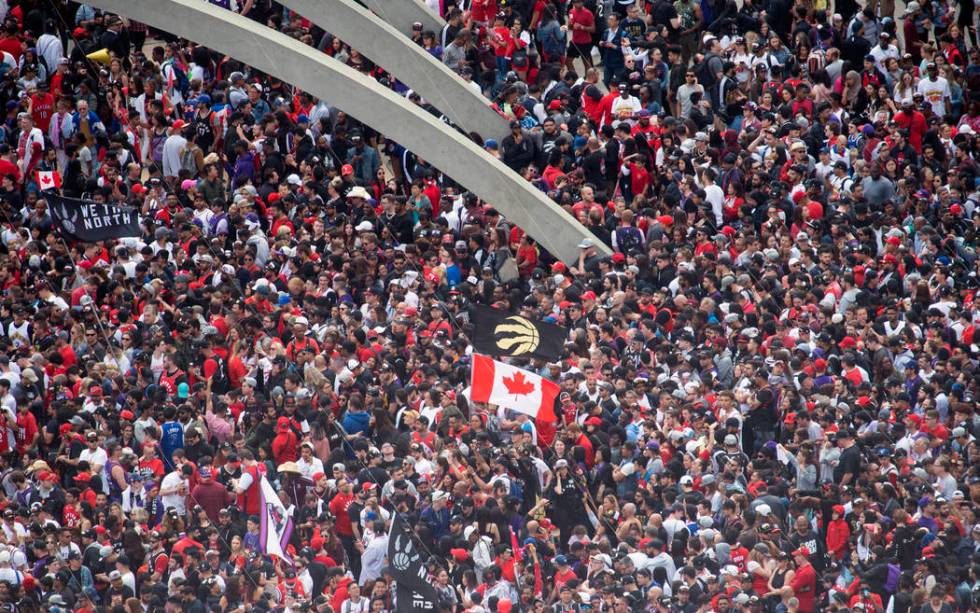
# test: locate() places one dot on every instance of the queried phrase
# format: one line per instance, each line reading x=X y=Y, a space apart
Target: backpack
x=181 y=82
x=188 y=160
x=703 y=71
x=516 y=488
x=220 y=380
x=628 y=238
x=891 y=582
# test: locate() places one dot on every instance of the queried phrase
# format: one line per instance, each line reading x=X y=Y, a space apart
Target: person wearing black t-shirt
x=663 y=13
x=846 y=471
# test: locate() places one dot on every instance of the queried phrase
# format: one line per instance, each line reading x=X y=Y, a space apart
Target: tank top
x=115 y=492
x=777 y=579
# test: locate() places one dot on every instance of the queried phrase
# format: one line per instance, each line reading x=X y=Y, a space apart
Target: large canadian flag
x=48 y=179
x=513 y=388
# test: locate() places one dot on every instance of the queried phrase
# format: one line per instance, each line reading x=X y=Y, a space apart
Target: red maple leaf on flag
x=46 y=179
x=517 y=385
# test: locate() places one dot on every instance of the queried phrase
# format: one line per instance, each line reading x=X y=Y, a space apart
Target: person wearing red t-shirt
x=27 y=430
x=86 y=493
x=502 y=43
x=338 y=506
x=804 y=584
x=527 y=256
x=507 y=564
x=868 y=599
x=605 y=107
x=933 y=428
x=149 y=463
x=184 y=543
x=11 y=43
x=8 y=166
x=581 y=22
x=912 y=120
x=564 y=574
x=481 y=11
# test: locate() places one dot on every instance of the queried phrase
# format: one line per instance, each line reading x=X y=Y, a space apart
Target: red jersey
x=42 y=109
x=26 y=430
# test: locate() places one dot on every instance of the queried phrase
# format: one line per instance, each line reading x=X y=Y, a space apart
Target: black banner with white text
x=90 y=222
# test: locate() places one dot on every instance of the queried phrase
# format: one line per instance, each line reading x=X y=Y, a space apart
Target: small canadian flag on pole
x=513 y=388
x=48 y=179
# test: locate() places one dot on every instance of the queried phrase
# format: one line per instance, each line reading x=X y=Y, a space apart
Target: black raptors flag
x=90 y=222
x=413 y=591
x=499 y=333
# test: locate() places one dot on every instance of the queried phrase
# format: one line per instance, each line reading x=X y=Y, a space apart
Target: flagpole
x=95 y=311
x=344 y=437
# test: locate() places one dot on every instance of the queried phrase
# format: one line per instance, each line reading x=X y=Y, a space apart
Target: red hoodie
x=838 y=533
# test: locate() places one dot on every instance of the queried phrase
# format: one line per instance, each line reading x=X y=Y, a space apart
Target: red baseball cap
x=346 y=169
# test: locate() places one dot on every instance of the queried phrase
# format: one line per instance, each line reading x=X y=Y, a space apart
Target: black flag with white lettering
x=90 y=222
x=414 y=592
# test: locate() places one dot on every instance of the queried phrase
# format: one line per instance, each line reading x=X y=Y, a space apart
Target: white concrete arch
x=403 y=13
x=391 y=114
x=411 y=64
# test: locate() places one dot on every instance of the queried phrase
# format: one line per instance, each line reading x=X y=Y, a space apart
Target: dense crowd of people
x=768 y=391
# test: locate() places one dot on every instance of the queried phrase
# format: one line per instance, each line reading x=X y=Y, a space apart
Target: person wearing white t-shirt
x=9 y=575
x=935 y=90
x=883 y=51
x=625 y=106
x=93 y=453
x=713 y=195
x=13 y=530
x=308 y=463
x=174 y=488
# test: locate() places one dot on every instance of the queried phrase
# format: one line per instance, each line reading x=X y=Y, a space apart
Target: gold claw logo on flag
x=516 y=336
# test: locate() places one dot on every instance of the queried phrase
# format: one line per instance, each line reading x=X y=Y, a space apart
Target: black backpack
x=220 y=380
x=627 y=238
x=703 y=72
